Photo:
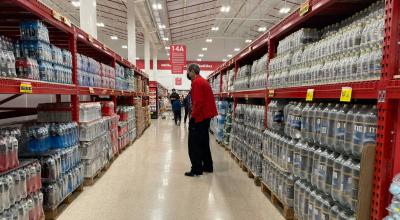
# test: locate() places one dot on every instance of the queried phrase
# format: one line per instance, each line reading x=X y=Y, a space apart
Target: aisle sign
x=310 y=95
x=304 y=8
x=177 y=58
x=178 y=81
x=345 y=96
x=25 y=87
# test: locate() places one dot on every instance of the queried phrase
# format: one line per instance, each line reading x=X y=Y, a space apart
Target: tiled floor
x=147 y=182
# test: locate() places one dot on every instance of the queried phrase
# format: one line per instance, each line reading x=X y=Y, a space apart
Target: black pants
x=187 y=114
x=199 y=146
x=177 y=116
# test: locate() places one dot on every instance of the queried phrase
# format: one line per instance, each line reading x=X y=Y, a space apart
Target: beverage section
x=99 y=107
x=325 y=78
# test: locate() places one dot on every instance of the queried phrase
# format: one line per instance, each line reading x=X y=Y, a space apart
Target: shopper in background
x=187 y=103
x=174 y=96
x=203 y=109
x=176 y=108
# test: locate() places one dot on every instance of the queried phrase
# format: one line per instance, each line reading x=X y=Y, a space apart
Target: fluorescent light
x=137 y=58
x=214 y=28
x=114 y=38
x=167 y=48
x=161 y=26
x=236 y=49
x=157 y=6
x=209 y=40
x=167 y=54
x=248 y=41
x=284 y=10
x=124 y=47
x=225 y=8
x=201 y=55
x=204 y=49
x=100 y=24
x=229 y=55
x=262 y=29
x=224 y=60
x=76 y=3
x=165 y=39
x=198 y=60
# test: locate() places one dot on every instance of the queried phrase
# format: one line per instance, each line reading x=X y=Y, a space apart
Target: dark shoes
x=208 y=170
x=193 y=174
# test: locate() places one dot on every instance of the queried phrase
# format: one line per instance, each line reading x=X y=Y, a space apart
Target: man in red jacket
x=203 y=109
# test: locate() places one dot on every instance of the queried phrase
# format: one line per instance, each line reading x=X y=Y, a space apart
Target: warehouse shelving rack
x=67 y=36
x=156 y=90
x=385 y=92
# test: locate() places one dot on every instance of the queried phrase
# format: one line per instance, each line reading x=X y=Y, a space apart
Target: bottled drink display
x=7 y=58
x=20 y=192
x=222 y=107
x=9 y=148
x=347 y=51
x=215 y=83
x=228 y=124
x=126 y=112
x=252 y=76
x=394 y=207
x=228 y=80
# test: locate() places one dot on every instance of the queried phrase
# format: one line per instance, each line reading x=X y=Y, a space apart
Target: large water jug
x=324 y=125
x=365 y=128
x=340 y=127
x=332 y=121
x=349 y=128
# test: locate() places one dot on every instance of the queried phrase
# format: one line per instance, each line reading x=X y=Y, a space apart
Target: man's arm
x=198 y=101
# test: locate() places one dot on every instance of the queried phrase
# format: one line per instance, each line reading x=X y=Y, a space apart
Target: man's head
x=173 y=90
x=193 y=70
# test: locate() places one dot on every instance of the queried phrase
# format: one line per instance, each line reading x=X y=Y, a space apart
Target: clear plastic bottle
x=315 y=169
x=332 y=121
x=361 y=120
x=324 y=125
x=349 y=128
x=339 y=139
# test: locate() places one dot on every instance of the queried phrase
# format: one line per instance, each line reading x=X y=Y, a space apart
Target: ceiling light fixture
x=167 y=54
x=229 y=55
x=224 y=60
x=137 y=58
x=161 y=26
x=201 y=55
x=114 y=38
x=76 y=3
x=285 y=9
x=204 y=49
x=214 y=28
x=157 y=6
x=124 y=47
x=248 y=41
x=165 y=39
x=262 y=29
x=100 y=24
x=236 y=49
x=225 y=8
x=198 y=60
x=167 y=48
x=209 y=40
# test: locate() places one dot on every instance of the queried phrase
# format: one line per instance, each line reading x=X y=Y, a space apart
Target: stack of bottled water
x=228 y=125
x=347 y=51
x=215 y=84
x=39 y=138
x=7 y=58
x=242 y=81
x=107 y=76
x=34 y=52
x=89 y=71
x=222 y=107
x=321 y=145
x=9 y=148
x=20 y=194
x=61 y=112
x=123 y=75
x=56 y=192
x=246 y=136
x=394 y=207
x=228 y=80
x=258 y=77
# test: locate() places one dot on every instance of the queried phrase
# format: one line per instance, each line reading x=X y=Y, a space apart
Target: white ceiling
x=188 y=22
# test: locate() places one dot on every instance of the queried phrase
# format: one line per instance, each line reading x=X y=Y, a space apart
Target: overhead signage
x=177 y=58
x=178 y=81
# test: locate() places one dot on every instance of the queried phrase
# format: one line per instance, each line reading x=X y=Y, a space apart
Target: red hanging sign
x=178 y=81
x=177 y=58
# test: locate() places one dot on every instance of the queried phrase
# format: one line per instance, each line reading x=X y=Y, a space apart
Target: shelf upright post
x=388 y=140
x=75 y=97
x=114 y=97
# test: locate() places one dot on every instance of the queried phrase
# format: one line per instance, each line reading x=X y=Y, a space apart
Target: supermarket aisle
x=147 y=182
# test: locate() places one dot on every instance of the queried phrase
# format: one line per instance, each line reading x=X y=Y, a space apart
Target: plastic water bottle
x=332 y=122
x=349 y=128
x=365 y=128
x=340 y=127
x=317 y=123
x=325 y=125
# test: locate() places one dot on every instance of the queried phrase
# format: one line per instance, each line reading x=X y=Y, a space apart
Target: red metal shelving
x=258 y=93
x=12 y=86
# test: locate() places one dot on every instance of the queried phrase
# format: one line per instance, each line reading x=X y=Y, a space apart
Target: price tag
x=67 y=22
x=122 y=92
x=271 y=93
x=310 y=95
x=57 y=15
x=112 y=92
x=104 y=91
x=304 y=8
x=25 y=87
x=345 y=96
x=246 y=97
x=91 y=90
x=90 y=38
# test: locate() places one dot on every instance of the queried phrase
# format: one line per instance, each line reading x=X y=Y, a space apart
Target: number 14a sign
x=177 y=58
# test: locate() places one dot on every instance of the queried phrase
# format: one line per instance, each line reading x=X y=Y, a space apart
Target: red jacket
x=203 y=103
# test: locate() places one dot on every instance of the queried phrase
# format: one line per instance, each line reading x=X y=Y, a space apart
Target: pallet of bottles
x=53 y=213
x=90 y=181
x=236 y=158
x=251 y=174
x=286 y=211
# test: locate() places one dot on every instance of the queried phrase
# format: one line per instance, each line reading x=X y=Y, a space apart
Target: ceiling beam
x=191 y=19
x=236 y=14
x=194 y=5
x=190 y=24
x=196 y=12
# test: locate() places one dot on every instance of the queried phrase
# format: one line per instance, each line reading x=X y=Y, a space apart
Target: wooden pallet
x=89 y=181
x=51 y=214
x=286 y=211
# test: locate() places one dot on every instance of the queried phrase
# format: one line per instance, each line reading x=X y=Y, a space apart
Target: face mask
x=187 y=75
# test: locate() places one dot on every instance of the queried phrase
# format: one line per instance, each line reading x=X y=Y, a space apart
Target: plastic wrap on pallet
x=92 y=149
x=91 y=130
x=9 y=148
x=93 y=166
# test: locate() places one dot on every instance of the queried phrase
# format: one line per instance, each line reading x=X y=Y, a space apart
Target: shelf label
x=91 y=90
x=304 y=8
x=310 y=95
x=271 y=93
x=104 y=91
x=112 y=92
x=122 y=92
x=57 y=15
x=345 y=96
x=67 y=22
x=25 y=87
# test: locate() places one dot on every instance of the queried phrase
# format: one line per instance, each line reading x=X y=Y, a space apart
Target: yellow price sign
x=271 y=93
x=57 y=15
x=310 y=95
x=25 y=87
x=91 y=90
x=304 y=8
x=67 y=22
x=345 y=96
x=90 y=38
